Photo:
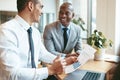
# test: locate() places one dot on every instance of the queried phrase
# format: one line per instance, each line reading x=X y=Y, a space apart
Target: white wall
x=80 y=8
x=108 y=21
x=8 y=5
x=117 y=28
x=49 y=6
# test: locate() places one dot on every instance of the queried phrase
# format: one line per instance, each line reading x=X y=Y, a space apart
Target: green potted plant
x=98 y=41
x=79 y=21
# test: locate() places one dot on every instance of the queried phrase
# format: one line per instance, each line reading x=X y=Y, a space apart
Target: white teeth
x=63 y=19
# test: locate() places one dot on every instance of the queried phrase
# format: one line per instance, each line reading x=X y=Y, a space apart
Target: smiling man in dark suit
x=55 y=39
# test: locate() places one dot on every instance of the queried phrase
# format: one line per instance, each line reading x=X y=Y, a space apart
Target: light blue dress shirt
x=15 y=62
x=68 y=33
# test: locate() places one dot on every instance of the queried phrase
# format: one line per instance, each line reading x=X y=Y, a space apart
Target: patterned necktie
x=65 y=37
x=31 y=47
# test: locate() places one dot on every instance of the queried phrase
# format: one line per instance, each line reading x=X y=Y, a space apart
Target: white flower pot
x=99 y=55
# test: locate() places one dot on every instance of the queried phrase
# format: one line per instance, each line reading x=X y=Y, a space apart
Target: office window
x=93 y=15
x=45 y=19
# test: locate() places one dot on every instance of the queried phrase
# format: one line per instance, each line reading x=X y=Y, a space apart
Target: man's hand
x=56 y=67
x=73 y=54
x=58 y=64
x=71 y=59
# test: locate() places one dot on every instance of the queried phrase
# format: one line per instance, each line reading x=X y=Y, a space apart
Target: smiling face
x=66 y=13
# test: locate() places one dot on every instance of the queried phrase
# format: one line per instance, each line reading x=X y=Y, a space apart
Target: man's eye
x=61 y=12
x=41 y=6
x=68 y=13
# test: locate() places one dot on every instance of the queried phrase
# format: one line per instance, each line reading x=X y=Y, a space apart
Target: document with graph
x=86 y=54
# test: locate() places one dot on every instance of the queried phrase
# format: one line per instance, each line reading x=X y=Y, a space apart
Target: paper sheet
x=86 y=54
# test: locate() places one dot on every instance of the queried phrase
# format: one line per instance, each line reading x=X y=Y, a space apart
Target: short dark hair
x=67 y=4
x=21 y=4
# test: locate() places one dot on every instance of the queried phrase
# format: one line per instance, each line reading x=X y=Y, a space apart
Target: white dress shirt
x=15 y=62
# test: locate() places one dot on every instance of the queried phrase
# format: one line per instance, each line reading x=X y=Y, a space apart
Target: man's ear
x=30 y=6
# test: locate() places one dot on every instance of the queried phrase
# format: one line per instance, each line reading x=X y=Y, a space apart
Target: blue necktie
x=65 y=36
x=31 y=47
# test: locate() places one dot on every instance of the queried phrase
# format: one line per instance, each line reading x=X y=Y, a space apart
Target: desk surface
x=97 y=66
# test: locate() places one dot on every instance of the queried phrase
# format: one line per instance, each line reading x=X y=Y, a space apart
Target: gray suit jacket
x=53 y=39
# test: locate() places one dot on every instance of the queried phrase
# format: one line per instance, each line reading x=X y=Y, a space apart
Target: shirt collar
x=22 y=22
x=64 y=26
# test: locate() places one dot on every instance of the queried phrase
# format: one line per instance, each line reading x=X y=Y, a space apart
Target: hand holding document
x=86 y=54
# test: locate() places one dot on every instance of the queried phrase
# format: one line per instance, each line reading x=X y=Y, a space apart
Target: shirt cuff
x=41 y=73
x=79 y=51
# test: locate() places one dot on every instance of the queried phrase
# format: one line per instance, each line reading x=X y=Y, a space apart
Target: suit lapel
x=60 y=35
x=71 y=37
